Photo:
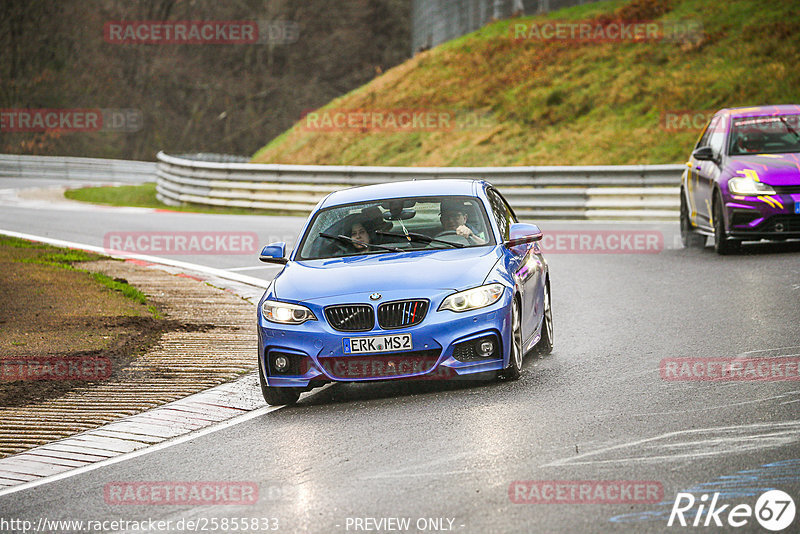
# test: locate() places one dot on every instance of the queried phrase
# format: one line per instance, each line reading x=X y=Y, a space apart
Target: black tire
x=722 y=243
x=689 y=237
x=514 y=369
x=277 y=396
x=545 y=344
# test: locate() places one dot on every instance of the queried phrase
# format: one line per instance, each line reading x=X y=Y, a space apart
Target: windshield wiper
x=350 y=240
x=791 y=130
x=421 y=237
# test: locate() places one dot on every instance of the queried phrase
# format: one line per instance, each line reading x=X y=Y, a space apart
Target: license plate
x=797 y=207
x=361 y=345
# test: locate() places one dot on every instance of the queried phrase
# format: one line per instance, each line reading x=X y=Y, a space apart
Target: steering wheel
x=452 y=233
x=752 y=143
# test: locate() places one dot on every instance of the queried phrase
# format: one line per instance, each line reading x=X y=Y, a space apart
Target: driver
x=453 y=217
x=749 y=143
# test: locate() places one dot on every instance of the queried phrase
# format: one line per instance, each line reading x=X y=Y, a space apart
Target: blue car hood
x=419 y=270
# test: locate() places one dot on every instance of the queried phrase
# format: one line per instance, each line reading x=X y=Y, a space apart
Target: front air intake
x=402 y=313
x=350 y=317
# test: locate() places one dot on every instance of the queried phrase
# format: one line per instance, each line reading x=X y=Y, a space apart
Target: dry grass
x=546 y=103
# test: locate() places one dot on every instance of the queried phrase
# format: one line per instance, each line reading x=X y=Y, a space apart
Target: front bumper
x=317 y=356
x=763 y=217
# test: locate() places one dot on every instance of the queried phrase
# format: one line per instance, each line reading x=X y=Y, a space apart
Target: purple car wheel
x=689 y=237
x=722 y=243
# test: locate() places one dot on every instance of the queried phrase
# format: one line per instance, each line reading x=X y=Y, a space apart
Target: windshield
x=397 y=225
x=773 y=134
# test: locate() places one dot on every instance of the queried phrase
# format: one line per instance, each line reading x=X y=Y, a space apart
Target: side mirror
x=521 y=234
x=704 y=153
x=274 y=253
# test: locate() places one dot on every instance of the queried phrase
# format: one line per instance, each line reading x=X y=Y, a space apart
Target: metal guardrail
x=94 y=169
x=626 y=192
x=436 y=21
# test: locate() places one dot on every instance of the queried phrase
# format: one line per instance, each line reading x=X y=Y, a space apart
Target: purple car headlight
x=285 y=313
x=748 y=187
x=473 y=299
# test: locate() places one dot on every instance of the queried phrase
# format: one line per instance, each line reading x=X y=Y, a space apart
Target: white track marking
x=141 y=452
x=785 y=429
x=253 y=268
x=717 y=407
x=220 y=273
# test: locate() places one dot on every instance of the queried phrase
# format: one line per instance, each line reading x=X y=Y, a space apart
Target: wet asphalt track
x=595 y=409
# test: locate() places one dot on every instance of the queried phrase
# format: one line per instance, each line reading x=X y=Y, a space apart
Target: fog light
x=281 y=363
x=485 y=348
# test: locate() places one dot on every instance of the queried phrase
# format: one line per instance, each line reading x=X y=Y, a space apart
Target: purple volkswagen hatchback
x=743 y=179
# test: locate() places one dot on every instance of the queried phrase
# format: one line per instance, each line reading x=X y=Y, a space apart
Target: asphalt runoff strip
x=181 y=385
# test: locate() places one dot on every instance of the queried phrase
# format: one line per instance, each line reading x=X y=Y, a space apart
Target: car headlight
x=472 y=299
x=285 y=313
x=748 y=186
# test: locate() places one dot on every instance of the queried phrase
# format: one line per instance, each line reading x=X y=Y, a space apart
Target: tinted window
x=707 y=134
x=386 y=222
x=717 y=138
x=502 y=212
x=773 y=134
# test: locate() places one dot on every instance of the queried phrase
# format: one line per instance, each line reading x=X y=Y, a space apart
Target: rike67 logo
x=774 y=511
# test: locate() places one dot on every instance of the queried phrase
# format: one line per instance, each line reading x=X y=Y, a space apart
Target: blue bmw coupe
x=420 y=279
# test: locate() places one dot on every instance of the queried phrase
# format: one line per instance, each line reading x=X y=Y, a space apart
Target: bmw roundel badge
x=375 y=296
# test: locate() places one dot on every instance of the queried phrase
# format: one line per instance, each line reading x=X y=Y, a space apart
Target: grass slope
x=561 y=103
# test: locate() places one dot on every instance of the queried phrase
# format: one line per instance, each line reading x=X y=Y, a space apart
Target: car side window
x=502 y=212
x=704 y=139
x=717 y=138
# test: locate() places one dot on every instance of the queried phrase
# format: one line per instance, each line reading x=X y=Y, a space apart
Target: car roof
x=417 y=188
x=755 y=111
